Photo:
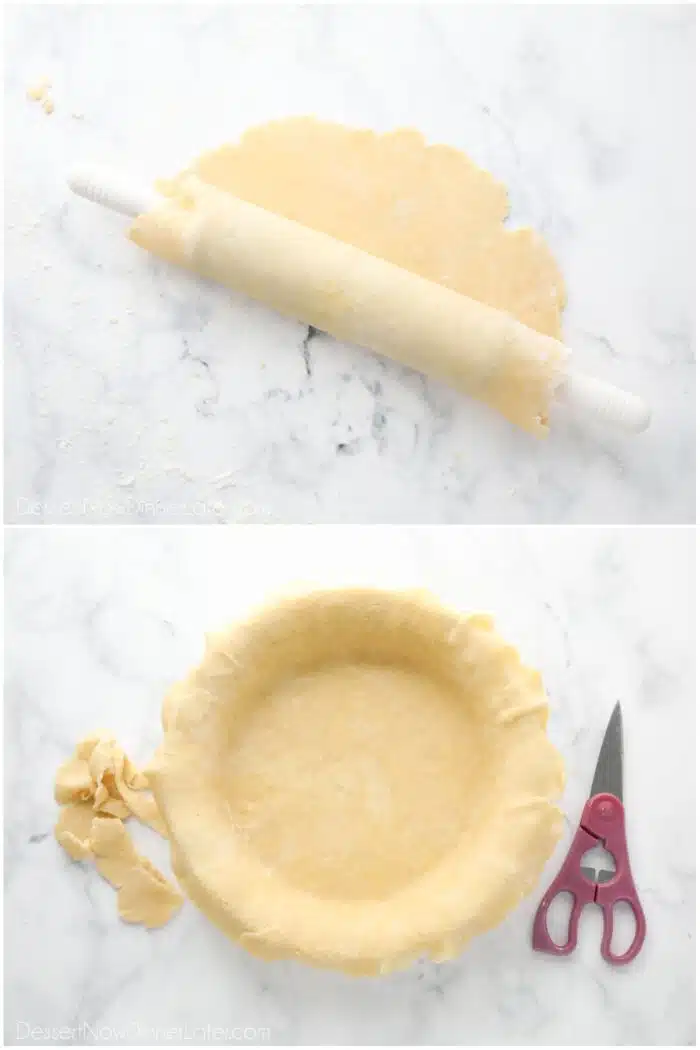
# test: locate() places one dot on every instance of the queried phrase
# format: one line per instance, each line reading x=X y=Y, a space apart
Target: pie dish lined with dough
x=355 y=778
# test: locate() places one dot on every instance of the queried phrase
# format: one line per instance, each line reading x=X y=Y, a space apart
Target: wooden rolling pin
x=361 y=299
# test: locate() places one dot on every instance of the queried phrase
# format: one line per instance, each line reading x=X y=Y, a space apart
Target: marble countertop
x=101 y=621
x=136 y=393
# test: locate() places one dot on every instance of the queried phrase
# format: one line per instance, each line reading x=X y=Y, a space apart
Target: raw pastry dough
x=95 y=788
x=428 y=209
x=355 y=778
x=278 y=217
x=144 y=894
x=40 y=92
x=99 y=770
x=73 y=829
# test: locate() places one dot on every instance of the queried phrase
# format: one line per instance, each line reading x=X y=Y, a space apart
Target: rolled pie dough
x=356 y=778
x=379 y=240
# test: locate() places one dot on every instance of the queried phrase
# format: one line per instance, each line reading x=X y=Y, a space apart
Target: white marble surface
x=134 y=392
x=101 y=621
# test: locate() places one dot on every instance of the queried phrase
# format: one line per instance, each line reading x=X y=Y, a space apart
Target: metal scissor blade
x=608 y=772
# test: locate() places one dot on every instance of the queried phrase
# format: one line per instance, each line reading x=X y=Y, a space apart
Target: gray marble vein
x=138 y=394
x=101 y=621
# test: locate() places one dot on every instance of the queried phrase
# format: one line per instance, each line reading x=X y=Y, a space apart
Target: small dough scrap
x=142 y=805
x=38 y=92
x=100 y=770
x=105 y=794
x=100 y=788
x=146 y=899
x=102 y=758
x=74 y=782
x=115 y=853
x=76 y=848
x=133 y=777
x=73 y=829
x=108 y=806
x=85 y=747
x=145 y=895
x=129 y=784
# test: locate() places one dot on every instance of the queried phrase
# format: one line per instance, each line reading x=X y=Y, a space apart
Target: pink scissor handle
x=604 y=817
x=602 y=821
x=569 y=880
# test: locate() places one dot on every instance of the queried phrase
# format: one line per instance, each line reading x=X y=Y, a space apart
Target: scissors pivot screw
x=606 y=810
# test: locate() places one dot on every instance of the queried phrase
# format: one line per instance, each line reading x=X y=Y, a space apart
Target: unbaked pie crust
x=354 y=778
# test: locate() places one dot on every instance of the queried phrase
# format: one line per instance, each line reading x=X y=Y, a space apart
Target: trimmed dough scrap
x=40 y=92
x=429 y=211
x=99 y=770
x=356 y=778
x=73 y=829
x=97 y=788
x=143 y=894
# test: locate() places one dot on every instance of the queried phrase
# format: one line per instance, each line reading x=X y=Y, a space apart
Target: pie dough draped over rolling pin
x=362 y=287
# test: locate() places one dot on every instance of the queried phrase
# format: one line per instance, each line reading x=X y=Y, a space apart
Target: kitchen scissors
x=602 y=823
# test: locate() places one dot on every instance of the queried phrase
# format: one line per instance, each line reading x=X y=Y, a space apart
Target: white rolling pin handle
x=112 y=190
x=606 y=402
